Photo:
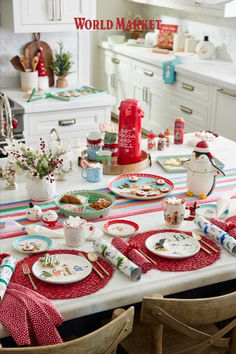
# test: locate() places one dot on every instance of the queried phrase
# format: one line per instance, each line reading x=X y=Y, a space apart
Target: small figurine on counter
x=201 y=171
x=192 y=211
x=34 y=212
x=50 y=218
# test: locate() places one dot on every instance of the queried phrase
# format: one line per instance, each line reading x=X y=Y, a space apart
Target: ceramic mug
x=75 y=236
x=104 y=157
x=92 y=150
x=91 y=174
x=94 y=138
x=174 y=211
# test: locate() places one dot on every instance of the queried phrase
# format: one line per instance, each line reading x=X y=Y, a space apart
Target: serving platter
x=84 y=209
x=130 y=185
x=32 y=244
x=72 y=268
x=173 y=245
x=176 y=167
x=121 y=228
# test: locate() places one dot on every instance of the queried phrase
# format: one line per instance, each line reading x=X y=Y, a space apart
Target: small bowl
x=185 y=57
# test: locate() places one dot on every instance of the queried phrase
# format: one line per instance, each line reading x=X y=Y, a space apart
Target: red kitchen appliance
x=129 y=135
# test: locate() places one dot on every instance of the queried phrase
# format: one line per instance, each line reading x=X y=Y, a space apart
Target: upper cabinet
x=226 y=10
x=24 y=16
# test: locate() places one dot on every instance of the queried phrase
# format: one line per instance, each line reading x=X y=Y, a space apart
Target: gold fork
x=26 y=271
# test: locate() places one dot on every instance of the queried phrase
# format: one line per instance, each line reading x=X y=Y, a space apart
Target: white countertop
x=52 y=104
x=121 y=291
x=217 y=72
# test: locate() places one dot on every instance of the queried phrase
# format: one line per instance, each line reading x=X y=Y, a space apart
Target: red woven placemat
x=86 y=286
x=199 y=260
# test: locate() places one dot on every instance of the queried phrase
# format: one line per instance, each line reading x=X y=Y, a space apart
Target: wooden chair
x=102 y=341
x=184 y=326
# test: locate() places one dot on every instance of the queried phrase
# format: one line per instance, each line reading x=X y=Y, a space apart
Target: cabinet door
x=120 y=89
x=224 y=117
x=140 y=94
x=37 y=12
x=68 y=10
x=154 y=99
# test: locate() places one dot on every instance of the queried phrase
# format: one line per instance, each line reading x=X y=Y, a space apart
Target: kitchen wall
x=12 y=44
x=222 y=32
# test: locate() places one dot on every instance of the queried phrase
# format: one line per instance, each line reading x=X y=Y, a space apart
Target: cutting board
x=31 y=50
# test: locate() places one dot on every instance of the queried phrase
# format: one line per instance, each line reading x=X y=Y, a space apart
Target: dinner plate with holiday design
x=141 y=186
x=121 y=228
x=71 y=268
x=32 y=244
x=173 y=245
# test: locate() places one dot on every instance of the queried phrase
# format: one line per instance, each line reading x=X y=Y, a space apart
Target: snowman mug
x=174 y=211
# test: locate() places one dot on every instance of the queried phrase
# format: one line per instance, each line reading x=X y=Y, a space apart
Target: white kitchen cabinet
x=24 y=16
x=224 y=113
x=227 y=10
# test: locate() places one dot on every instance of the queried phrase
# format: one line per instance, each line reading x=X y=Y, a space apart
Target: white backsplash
x=12 y=44
x=222 y=32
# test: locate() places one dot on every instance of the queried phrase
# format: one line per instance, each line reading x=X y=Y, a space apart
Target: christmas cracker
x=6 y=270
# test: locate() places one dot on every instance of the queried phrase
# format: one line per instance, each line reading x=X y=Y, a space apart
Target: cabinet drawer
x=117 y=63
x=193 y=113
x=191 y=88
x=147 y=73
x=73 y=122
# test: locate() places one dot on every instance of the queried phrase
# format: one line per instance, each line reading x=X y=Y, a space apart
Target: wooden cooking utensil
x=22 y=60
x=34 y=63
x=31 y=50
x=15 y=61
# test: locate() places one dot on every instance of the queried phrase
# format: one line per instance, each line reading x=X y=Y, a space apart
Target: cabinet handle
x=148 y=72
x=228 y=93
x=65 y=122
x=115 y=60
x=147 y=95
x=187 y=87
x=186 y=109
x=53 y=11
x=59 y=19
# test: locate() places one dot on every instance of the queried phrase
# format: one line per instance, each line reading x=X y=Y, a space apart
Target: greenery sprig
x=62 y=63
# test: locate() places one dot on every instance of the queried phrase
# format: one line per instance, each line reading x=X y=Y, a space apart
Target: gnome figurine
x=201 y=171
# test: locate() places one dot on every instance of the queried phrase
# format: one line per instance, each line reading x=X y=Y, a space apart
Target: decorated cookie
x=34 y=212
x=49 y=261
x=141 y=193
x=50 y=217
x=164 y=189
x=134 y=178
x=151 y=193
x=160 y=181
x=146 y=187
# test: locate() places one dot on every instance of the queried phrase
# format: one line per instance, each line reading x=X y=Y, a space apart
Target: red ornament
x=40 y=67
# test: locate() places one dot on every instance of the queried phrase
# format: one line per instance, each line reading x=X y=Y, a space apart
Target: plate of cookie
x=141 y=186
x=87 y=204
x=173 y=163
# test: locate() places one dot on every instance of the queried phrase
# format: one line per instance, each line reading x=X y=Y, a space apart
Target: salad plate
x=32 y=244
x=141 y=186
x=121 y=228
x=69 y=268
x=173 y=245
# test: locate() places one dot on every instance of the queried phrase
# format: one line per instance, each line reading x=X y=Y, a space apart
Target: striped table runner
x=122 y=208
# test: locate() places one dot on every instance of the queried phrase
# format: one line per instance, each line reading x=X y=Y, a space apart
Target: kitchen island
x=120 y=290
x=73 y=119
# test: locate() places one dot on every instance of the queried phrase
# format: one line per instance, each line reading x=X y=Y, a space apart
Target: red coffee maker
x=129 y=136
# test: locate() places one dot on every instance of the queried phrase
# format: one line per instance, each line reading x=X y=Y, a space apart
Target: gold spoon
x=93 y=258
x=199 y=238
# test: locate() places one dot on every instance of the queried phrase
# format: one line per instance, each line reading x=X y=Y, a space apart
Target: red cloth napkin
x=29 y=317
x=229 y=227
x=130 y=250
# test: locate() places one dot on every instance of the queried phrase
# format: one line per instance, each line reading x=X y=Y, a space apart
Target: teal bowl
x=87 y=212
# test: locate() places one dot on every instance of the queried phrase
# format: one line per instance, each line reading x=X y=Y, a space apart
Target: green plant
x=61 y=63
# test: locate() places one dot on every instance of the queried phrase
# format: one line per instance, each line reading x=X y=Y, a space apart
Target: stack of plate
x=116 y=38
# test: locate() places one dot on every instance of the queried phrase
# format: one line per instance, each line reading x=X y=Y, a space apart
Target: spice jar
x=167 y=134
x=161 y=145
x=151 y=143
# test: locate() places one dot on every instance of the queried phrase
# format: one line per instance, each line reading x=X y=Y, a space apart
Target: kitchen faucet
x=6 y=125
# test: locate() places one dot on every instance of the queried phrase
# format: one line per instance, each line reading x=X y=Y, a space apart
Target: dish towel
x=169 y=73
x=29 y=317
